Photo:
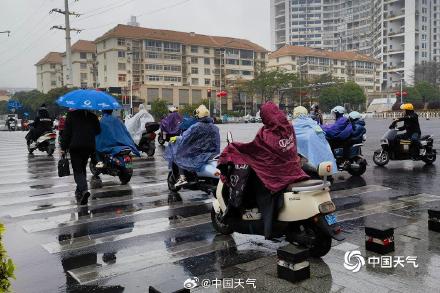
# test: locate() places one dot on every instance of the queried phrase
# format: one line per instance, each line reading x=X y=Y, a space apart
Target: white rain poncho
x=136 y=124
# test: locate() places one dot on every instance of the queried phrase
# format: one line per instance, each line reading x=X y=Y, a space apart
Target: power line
x=105 y=10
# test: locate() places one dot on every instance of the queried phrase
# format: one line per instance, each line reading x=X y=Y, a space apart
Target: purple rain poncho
x=170 y=124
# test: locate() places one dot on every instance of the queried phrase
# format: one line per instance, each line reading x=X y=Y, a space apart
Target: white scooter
x=45 y=143
x=306 y=217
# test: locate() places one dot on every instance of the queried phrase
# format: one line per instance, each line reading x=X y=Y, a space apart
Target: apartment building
x=176 y=66
x=312 y=63
x=50 y=72
x=400 y=33
x=84 y=67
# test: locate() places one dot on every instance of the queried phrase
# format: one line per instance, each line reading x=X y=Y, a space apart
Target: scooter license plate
x=331 y=219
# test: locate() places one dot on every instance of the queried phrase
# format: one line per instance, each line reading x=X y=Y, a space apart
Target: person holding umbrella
x=81 y=128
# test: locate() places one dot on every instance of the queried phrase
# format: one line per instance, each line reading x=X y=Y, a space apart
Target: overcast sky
x=32 y=38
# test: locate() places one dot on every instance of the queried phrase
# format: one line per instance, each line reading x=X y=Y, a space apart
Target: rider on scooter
x=274 y=161
x=338 y=133
x=197 y=145
x=42 y=123
x=411 y=126
x=113 y=138
x=358 y=125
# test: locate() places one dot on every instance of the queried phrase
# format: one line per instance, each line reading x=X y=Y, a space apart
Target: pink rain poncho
x=272 y=154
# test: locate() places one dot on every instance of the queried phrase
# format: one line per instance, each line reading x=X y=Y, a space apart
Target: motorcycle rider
x=42 y=124
x=311 y=142
x=170 y=124
x=136 y=124
x=114 y=138
x=358 y=125
x=338 y=133
x=274 y=161
x=316 y=114
x=411 y=126
x=197 y=145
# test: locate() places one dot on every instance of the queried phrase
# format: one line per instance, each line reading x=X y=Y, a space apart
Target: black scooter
x=147 y=143
x=355 y=164
x=398 y=149
x=119 y=165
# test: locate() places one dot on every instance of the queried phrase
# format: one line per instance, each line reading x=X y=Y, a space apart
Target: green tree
x=413 y=95
x=353 y=94
x=3 y=107
x=329 y=97
x=159 y=108
x=427 y=91
x=189 y=109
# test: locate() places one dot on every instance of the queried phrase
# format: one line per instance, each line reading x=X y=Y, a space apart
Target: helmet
x=172 y=109
x=338 y=110
x=407 y=107
x=355 y=115
x=202 y=111
x=299 y=111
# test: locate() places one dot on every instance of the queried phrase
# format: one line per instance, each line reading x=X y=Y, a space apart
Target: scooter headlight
x=327 y=207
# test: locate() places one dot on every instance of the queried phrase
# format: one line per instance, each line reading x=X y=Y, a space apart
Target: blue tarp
x=195 y=147
x=170 y=124
x=114 y=137
x=311 y=142
x=187 y=122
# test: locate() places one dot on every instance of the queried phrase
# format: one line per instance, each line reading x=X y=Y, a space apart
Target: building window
x=194 y=60
x=194 y=49
x=247 y=73
x=293 y=58
x=83 y=55
x=246 y=62
x=171 y=47
x=83 y=65
x=171 y=57
x=194 y=70
x=207 y=71
x=83 y=76
x=121 y=66
x=121 y=42
x=83 y=85
x=172 y=78
x=207 y=81
x=154 y=77
x=121 y=54
x=206 y=50
x=52 y=66
x=195 y=81
x=105 y=67
x=207 y=61
x=152 y=55
x=122 y=77
x=53 y=83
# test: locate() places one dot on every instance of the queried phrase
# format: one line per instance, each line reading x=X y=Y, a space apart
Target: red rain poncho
x=272 y=154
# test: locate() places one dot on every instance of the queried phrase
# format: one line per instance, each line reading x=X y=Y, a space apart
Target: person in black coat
x=78 y=138
x=42 y=124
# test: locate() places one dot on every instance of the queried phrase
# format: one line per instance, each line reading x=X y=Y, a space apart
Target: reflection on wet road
x=130 y=237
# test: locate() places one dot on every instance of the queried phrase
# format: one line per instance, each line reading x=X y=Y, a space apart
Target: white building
x=312 y=63
x=83 y=64
x=400 y=33
x=176 y=66
x=50 y=72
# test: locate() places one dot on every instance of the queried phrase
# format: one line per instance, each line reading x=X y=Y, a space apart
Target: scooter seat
x=307 y=183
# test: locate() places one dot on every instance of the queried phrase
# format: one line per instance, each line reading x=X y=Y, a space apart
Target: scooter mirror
x=229 y=138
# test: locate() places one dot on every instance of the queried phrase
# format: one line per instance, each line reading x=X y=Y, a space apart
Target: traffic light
x=209 y=93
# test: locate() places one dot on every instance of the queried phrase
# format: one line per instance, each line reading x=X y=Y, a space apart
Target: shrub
x=6 y=266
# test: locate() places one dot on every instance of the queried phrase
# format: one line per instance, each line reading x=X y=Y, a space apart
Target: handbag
x=63 y=167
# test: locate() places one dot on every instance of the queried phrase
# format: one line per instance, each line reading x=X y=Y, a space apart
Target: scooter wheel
x=160 y=140
x=360 y=170
x=429 y=159
x=218 y=226
x=381 y=158
x=151 y=152
x=50 y=150
x=125 y=176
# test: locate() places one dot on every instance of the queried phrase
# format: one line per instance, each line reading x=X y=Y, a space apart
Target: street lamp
x=402 y=75
x=131 y=82
x=300 y=82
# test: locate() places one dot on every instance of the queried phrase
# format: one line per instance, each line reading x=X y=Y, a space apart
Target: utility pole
x=6 y=32
x=67 y=28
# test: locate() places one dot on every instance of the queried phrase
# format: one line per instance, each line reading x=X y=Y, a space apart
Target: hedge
x=6 y=266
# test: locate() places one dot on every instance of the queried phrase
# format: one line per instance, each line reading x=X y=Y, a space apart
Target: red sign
x=222 y=94
x=403 y=94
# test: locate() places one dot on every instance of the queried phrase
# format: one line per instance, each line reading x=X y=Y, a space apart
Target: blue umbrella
x=88 y=100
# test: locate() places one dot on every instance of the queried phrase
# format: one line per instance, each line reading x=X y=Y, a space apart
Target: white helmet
x=339 y=109
x=300 y=111
x=355 y=115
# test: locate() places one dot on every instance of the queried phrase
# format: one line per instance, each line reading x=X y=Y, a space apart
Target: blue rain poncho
x=311 y=142
x=197 y=145
x=114 y=137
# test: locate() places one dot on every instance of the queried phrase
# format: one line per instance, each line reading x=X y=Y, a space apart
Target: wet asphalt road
x=131 y=237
